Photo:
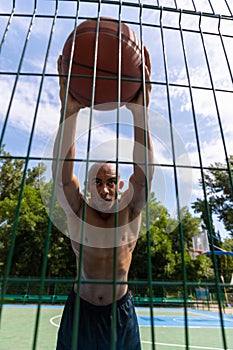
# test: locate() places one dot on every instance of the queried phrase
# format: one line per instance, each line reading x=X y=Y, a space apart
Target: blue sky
x=23 y=109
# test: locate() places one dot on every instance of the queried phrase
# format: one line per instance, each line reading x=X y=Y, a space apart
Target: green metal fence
x=190 y=43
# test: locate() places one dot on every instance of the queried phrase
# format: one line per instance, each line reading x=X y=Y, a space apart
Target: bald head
x=102 y=168
x=103 y=185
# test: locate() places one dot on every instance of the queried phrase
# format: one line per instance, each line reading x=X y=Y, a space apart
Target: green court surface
x=204 y=330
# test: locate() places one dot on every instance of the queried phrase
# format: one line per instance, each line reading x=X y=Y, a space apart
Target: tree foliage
x=163 y=241
x=218 y=182
x=219 y=201
x=31 y=224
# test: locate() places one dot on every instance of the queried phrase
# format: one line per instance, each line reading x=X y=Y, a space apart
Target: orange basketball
x=107 y=62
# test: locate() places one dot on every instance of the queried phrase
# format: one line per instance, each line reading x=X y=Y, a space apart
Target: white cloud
x=208 y=124
x=23 y=108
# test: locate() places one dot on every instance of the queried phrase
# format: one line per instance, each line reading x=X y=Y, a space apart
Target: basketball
x=107 y=62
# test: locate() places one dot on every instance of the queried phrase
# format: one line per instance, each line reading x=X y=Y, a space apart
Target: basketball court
x=204 y=329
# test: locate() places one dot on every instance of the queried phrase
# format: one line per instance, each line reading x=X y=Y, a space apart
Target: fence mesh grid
x=190 y=43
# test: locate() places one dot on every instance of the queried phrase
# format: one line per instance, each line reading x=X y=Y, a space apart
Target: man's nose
x=105 y=189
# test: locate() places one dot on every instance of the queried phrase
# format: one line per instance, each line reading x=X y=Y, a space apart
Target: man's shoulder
x=128 y=203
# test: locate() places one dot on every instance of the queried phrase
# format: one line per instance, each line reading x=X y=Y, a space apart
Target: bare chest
x=103 y=231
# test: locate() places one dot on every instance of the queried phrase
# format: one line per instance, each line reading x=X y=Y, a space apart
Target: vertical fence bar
x=202 y=174
x=224 y=49
x=14 y=231
x=176 y=185
x=149 y=269
x=47 y=241
x=211 y=6
x=79 y=281
x=58 y=155
x=193 y=112
x=17 y=75
x=8 y=25
x=76 y=314
x=218 y=113
x=229 y=170
x=228 y=7
x=116 y=216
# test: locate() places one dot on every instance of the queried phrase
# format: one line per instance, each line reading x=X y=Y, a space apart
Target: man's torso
x=104 y=248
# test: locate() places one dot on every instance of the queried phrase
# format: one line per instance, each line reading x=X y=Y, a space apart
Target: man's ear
x=121 y=185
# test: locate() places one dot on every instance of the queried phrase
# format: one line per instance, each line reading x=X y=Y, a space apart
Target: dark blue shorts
x=95 y=325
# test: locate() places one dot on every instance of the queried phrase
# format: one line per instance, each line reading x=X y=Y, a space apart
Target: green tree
x=225 y=260
x=190 y=227
x=11 y=172
x=197 y=270
x=32 y=223
x=218 y=182
x=219 y=195
x=165 y=248
x=160 y=246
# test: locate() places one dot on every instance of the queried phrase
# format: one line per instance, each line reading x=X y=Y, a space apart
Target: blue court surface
x=196 y=319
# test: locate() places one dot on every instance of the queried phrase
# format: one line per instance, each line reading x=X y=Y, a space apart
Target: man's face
x=102 y=185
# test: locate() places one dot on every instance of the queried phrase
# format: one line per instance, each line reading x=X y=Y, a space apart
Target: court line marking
x=157 y=326
x=52 y=321
x=225 y=316
x=184 y=346
x=149 y=342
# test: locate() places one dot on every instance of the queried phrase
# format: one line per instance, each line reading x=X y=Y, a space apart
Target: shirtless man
x=99 y=235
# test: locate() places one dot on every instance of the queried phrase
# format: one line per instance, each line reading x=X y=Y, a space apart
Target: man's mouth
x=106 y=199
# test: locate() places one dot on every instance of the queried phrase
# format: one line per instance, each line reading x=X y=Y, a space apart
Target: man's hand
x=72 y=105
x=138 y=100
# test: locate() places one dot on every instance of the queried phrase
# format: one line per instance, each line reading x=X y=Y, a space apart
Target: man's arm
x=142 y=175
x=68 y=193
